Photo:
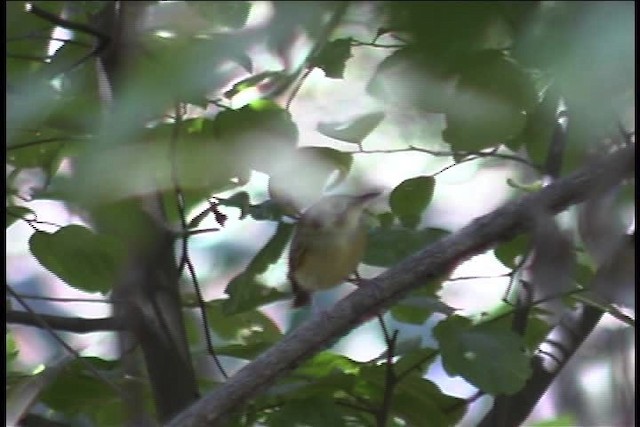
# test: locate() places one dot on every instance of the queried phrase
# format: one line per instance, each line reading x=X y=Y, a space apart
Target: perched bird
x=328 y=244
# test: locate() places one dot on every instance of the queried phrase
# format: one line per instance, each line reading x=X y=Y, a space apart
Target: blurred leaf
x=253 y=81
x=413 y=397
x=353 y=130
x=510 y=253
x=248 y=327
x=385 y=219
x=82 y=258
x=416 y=396
x=245 y=292
x=15 y=213
x=24 y=393
x=261 y=134
x=231 y=14
x=333 y=57
x=409 y=199
x=419 y=359
x=388 y=246
x=560 y=421
x=293 y=190
x=536 y=136
x=313 y=412
x=490 y=102
x=77 y=391
x=417 y=309
x=489 y=356
x=325 y=363
x=11 y=348
x=409 y=77
x=37 y=151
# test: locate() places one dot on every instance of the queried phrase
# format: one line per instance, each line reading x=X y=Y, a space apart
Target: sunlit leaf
x=354 y=130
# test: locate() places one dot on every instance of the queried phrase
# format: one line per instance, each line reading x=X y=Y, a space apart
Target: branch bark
x=432 y=262
x=78 y=325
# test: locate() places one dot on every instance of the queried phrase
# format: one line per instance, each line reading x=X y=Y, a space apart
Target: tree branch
x=430 y=263
x=78 y=325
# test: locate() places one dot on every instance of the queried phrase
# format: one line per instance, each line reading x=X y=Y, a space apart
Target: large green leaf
x=490 y=102
x=489 y=356
x=410 y=77
x=409 y=199
x=80 y=257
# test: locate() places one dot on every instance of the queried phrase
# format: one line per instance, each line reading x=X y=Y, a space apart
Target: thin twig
x=185 y=260
x=40 y=320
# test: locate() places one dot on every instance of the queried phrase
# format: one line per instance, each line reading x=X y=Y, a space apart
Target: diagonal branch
x=430 y=263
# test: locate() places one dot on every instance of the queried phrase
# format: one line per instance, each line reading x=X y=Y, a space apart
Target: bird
x=327 y=245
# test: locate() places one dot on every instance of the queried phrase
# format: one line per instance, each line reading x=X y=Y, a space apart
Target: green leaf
x=353 y=130
x=411 y=77
x=333 y=57
x=326 y=363
x=261 y=135
x=245 y=292
x=232 y=14
x=313 y=412
x=489 y=356
x=560 y=421
x=416 y=309
x=24 y=390
x=536 y=136
x=82 y=258
x=409 y=199
x=510 y=253
x=77 y=391
x=248 y=327
x=388 y=246
x=418 y=359
x=490 y=103
x=45 y=155
x=15 y=213
x=415 y=397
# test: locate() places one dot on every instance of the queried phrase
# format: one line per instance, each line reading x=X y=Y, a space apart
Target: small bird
x=328 y=244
